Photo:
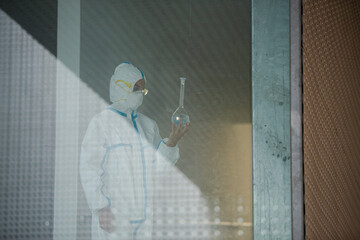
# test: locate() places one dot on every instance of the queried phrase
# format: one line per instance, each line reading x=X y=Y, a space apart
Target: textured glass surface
x=55 y=72
x=27 y=135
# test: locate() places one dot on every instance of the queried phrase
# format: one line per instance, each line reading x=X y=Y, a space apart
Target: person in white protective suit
x=120 y=152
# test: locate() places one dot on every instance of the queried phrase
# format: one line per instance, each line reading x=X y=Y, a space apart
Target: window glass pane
x=68 y=160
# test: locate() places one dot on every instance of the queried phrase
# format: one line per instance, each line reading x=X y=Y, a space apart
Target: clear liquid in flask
x=180 y=115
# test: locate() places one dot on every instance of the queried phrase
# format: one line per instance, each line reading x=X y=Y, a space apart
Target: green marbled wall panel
x=271 y=120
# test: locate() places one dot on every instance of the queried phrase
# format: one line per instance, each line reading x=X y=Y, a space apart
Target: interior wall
x=331 y=73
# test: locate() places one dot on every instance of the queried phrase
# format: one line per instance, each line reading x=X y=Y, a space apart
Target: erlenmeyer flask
x=180 y=114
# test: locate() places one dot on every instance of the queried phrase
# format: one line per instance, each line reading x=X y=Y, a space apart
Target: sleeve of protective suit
x=91 y=158
x=165 y=156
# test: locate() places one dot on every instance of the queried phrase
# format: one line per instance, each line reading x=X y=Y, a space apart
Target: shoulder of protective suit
x=101 y=117
x=145 y=118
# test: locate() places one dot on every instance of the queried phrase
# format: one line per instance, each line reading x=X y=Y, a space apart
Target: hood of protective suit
x=121 y=88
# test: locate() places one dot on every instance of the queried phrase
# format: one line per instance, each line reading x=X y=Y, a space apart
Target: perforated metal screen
x=331 y=68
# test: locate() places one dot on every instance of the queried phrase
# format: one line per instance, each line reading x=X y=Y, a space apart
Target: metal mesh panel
x=331 y=50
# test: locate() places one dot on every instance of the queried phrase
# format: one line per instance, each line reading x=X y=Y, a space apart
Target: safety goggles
x=144 y=91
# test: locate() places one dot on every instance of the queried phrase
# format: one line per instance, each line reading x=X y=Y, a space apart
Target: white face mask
x=135 y=100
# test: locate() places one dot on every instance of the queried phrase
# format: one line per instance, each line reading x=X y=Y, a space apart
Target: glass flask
x=180 y=114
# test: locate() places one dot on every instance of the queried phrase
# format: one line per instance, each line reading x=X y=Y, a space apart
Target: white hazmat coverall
x=119 y=154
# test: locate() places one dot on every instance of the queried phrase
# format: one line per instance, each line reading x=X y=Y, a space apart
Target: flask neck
x=182 y=91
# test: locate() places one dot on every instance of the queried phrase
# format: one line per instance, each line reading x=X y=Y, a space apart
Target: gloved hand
x=177 y=132
x=106 y=218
